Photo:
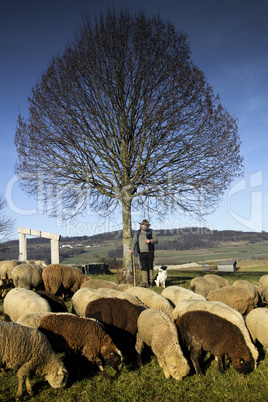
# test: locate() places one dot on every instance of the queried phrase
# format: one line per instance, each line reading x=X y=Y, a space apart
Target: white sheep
x=6 y=268
x=175 y=294
x=122 y=295
x=28 y=351
x=81 y=298
x=236 y=297
x=252 y=288
x=263 y=284
x=151 y=299
x=221 y=310
x=204 y=285
x=102 y=283
x=32 y=320
x=257 y=323
x=27 y=276
x=157 y=330
x=20 y=301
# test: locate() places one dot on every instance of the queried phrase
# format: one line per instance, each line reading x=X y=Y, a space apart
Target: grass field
x=86 y=384
x=238 y=251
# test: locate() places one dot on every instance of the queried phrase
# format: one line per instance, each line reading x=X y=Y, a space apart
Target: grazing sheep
x=81 y=298
x=28 y=351
x=6 y=268
x=175 y=294
x=20 y=301
x=219 y=280
x=119 y=317
x=257 y=323
x=69 y=333
x=31 y=320
x=56 y=304
x=62 y=278
x=201 y=330
x=106 y=292
x=238 y=298
x=27 y=276
x=102 y=283
x=263 y=284
x=222 y=310
x=253 y=290
x=204 y=285
x=152 y=299
x=158 y=331
x=119 y=313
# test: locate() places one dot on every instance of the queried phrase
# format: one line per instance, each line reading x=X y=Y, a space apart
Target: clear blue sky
x=229 y=40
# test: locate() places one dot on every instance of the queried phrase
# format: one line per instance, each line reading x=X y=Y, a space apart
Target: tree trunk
x=127 y=260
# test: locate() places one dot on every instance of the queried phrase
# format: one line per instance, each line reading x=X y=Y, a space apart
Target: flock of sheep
x=109 y=321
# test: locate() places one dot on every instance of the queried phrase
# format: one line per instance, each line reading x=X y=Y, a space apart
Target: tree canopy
x=123 y=116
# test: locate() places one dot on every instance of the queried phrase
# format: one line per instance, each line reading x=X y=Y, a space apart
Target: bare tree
x=6 y=223
x=124 y=117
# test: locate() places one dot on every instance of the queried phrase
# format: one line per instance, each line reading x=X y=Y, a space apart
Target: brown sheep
x=59 y=278
x=201 y=330
x=69 y=333
x=119 y=317
x=57 y=305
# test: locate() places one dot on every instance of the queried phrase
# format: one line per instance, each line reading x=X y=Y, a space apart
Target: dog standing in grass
x=161 y=276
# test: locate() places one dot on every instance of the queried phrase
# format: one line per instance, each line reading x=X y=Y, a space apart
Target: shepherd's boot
x=144 y=278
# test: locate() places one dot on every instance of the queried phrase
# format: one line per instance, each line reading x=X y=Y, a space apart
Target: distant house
x=227 y=266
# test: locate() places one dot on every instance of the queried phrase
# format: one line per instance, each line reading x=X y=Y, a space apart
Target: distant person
x=145 y=239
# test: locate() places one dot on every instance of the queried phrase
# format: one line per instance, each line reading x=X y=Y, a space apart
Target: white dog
x=161 y=276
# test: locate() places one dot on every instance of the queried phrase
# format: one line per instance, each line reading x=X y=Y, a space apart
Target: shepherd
x=145 y=239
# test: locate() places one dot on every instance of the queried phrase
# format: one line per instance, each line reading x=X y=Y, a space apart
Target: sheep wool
x=252 y=289
x=27 y=276
x=99 y=283
x=119 y=294
x=81 y=298
x=152 y=299
x=28 y=351
x=236 y=297
x=69 y=333
x=201 y=330
x=31 y=320
x=204 y=285
x=175 y=294
x=222 y=310
x=6 y=268
x=20 y=301
x=158 y=331
x=257 y=324
x=119 y=313
x=56 y=304
x=263 y=284
x=59 y=277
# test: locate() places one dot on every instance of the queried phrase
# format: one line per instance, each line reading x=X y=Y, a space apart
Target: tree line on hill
x=173 y=239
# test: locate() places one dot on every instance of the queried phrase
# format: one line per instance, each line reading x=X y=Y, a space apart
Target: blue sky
x=229 y=42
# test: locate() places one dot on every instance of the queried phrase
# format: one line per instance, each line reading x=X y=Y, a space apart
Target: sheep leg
x=23 y=375
x=195 y=354
x=99 y=364
x=138 y=347
x=220 y=360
